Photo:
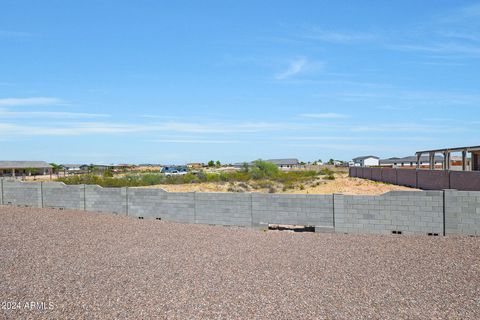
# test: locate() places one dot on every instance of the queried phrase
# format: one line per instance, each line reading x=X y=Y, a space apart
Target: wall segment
x=448 y=212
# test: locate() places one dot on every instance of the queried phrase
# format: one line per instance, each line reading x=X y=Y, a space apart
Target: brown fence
x=421 y=179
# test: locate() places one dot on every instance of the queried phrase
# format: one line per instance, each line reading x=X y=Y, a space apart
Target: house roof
x=70 y=165
x=24 y=164
x=365 y=157
x=409 y=159
x=280 y=162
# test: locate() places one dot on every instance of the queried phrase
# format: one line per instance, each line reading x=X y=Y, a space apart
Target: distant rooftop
x=365 y=157
x=24 y=164
x=280 y=162
x=410 y=159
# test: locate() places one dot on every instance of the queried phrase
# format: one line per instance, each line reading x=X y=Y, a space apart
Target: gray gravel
x=90 y=265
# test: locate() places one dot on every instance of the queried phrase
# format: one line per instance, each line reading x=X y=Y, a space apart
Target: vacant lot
x=341 y=184
x=90 y=265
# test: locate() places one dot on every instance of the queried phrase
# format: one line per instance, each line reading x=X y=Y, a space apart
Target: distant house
x=72 y=168
x=285 y=164
x=410 y=162
x=366 y=161
x=24 y=168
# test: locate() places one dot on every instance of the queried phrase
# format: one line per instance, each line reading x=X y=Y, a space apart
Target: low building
x=285 y=164
x=410 y=162
x=72 y=168
x=366 y=161
x=24 y=168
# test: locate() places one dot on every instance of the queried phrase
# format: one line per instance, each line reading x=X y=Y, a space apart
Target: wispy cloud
x=14 y=34
x=298 y=66
x=33 y=101
x=408 y=127
x=356 y=138
x=340 y=37
x=462 y=35
x=48 y=114
x=440 y=48
x=195 y=141
x=87 y=128
x=469 y=11
x=329 y=115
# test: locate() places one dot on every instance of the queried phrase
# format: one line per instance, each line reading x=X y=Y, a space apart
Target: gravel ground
x=89 y=265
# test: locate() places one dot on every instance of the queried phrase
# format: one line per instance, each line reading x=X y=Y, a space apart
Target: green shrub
x=326 y=171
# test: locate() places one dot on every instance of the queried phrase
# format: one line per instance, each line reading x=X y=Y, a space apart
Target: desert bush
x=326 y=171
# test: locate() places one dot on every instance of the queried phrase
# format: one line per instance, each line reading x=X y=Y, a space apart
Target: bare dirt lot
x=341 y=184
x=99 y=266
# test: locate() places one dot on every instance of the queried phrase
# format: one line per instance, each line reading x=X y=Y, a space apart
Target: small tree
x=218 y=164
x=56 y=168
x=245 y=167
x=331 y=161
x=211 y=163
x=262 y=169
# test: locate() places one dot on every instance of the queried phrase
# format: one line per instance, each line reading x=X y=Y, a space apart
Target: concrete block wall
x=449 y=212
x=406 y=177
x=422 y=179
x=113 y=200
x=407 y=211
x=156 y=203
x=299 y=209
x=224 y=209
x=462 y=212
x=59 y=195
x=19 y=193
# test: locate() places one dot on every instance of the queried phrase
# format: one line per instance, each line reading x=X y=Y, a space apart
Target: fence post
x=41 y=194
x=126 y=201
x=84 y=197
x=1 y=187
x=333 y=210
x=416 y=178
x=444 y=212
x=195 y=207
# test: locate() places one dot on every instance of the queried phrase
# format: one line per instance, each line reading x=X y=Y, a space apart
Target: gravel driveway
x=72 y=264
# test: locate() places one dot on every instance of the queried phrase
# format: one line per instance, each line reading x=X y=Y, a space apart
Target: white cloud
x=298 y=66
x=85 y=128
x=34 y=101
x=195 y=141
x=48 y=114
x=329 y=115
x=357 y=138
x=440 y=48
x=339 y=37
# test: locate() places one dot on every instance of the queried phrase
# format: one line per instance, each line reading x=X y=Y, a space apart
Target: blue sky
x=180 y=81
